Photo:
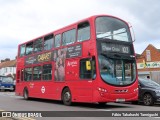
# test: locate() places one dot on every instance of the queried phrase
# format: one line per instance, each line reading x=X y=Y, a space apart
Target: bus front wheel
x=66 y=97
x=25 y=94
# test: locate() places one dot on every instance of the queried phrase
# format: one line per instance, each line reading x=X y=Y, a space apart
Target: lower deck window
x=37 y=72
x=28 y=74
x=47 y=72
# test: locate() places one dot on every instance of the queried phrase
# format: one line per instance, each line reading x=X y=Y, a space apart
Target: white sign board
x=155 y=64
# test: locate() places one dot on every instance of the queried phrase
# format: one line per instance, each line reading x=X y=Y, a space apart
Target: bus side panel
x=81 y=89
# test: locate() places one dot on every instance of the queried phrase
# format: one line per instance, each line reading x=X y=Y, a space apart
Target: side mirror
x=132 y=32
x=88 y=65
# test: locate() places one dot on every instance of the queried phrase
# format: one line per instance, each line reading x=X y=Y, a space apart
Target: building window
x=69 y=37
x=48 y=42
x=37 y=72
x=29 y=48
x=22 y=50
x=57 y=41
x=83 y=31
x=38 y=45
x=27 y=74
x=148 y=55
x=47 y=72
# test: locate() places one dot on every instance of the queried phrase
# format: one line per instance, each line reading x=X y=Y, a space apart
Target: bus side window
x=37 y=73
x=22 y=50
x=29 y=48
x=57 y=41
x=69 y=37
x=27 y=74
x=48 y=42
x=83 y=31
x=47 y=72
x=85 y=69
x=38 y=45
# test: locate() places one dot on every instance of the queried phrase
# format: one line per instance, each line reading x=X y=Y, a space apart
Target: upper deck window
x=112 y=28
x=48 y=42
x=69 y=37
x=57 y=42
x=22 y=50
x=29 y=48
x=83 y=31
x=38 y=45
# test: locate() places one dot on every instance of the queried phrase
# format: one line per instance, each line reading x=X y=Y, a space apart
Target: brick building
x=148 y=63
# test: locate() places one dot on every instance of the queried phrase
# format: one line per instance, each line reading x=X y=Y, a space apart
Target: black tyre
x=134 y=102
x=66 y=97
x=148 y=99
x=25 y=94
x=102 y=104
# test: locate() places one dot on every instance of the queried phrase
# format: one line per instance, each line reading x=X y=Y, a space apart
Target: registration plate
x=120 y=100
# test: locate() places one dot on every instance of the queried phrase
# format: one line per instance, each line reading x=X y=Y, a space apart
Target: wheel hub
x=67 y=96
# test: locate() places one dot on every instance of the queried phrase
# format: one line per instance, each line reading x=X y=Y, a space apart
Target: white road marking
x=9 y=94
x=104 y=110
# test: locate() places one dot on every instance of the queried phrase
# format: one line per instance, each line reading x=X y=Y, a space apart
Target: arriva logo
x=72 y=64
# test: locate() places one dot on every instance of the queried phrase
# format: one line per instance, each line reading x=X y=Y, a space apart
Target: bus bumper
x=111 y=97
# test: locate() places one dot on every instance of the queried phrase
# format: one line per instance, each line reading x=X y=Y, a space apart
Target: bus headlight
x=102 y=89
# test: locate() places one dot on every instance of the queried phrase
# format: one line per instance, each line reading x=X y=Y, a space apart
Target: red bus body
x=83 y=88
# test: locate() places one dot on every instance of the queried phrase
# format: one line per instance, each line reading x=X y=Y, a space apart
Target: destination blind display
x=116 y=48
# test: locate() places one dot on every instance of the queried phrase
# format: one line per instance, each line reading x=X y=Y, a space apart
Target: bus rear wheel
x=66 y=97
x=25 y=94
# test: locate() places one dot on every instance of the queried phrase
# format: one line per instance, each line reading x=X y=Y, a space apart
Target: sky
x=23 y=20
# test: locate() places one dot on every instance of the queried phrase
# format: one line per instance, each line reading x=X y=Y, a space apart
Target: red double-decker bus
x=92 y=60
